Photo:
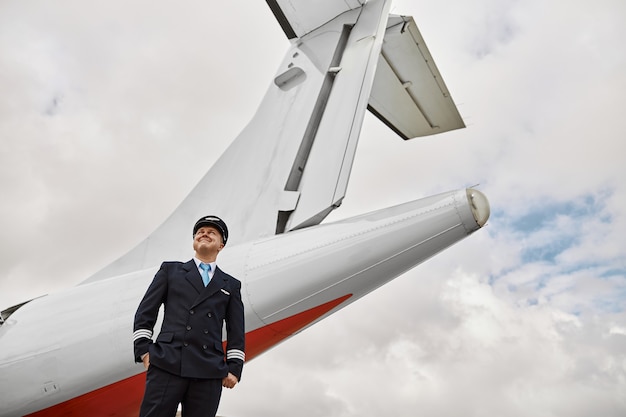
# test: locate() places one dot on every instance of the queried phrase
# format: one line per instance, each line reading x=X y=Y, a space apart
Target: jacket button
x=188 y=327
x=185 y=344
x=209 y=314
x=204 y=346
x=206 y=331
x=191 y=311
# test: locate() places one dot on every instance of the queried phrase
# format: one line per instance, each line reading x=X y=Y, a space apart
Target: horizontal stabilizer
x=409 y=94
x=299 y=17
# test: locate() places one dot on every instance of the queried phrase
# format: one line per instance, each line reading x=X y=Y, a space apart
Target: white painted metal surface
x=84 y=334
x=288 y=168
x=300 y=17
x=409 y=94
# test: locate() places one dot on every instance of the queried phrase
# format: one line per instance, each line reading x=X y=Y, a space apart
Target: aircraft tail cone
x=299 y=271
x=479 y=205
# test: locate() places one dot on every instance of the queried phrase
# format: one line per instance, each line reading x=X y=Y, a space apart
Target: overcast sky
x=111 y=111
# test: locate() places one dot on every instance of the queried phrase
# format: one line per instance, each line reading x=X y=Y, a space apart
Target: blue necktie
x=205 y=273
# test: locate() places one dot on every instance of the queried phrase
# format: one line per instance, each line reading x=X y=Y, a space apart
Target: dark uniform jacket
x=190 y=342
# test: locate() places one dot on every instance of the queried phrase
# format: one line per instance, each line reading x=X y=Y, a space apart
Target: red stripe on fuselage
x=123 y=398
x=260 y=340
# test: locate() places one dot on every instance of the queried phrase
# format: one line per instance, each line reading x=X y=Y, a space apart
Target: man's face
x=208 y=240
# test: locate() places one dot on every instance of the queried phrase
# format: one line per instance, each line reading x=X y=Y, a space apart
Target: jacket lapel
x=218 y=281
x=192 y=275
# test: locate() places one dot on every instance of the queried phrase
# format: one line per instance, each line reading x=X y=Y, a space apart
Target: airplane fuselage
x=288 y=283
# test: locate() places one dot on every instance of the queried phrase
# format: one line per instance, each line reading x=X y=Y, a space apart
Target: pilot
x=188 y=363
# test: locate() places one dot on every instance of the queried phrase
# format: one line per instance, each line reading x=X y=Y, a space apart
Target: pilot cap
x=215 y=222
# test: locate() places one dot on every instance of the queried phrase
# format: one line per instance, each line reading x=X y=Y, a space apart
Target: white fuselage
x=67 y=345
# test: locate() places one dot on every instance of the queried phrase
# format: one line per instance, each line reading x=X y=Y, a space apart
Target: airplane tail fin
x=290 y=166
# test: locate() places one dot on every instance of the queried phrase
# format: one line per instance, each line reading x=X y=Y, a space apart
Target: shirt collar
x=198 y=262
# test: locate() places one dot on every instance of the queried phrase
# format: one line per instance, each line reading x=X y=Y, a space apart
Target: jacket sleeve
x=235 y=333
x=147 y=312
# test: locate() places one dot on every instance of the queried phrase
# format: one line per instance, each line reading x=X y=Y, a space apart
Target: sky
x=111 y=111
